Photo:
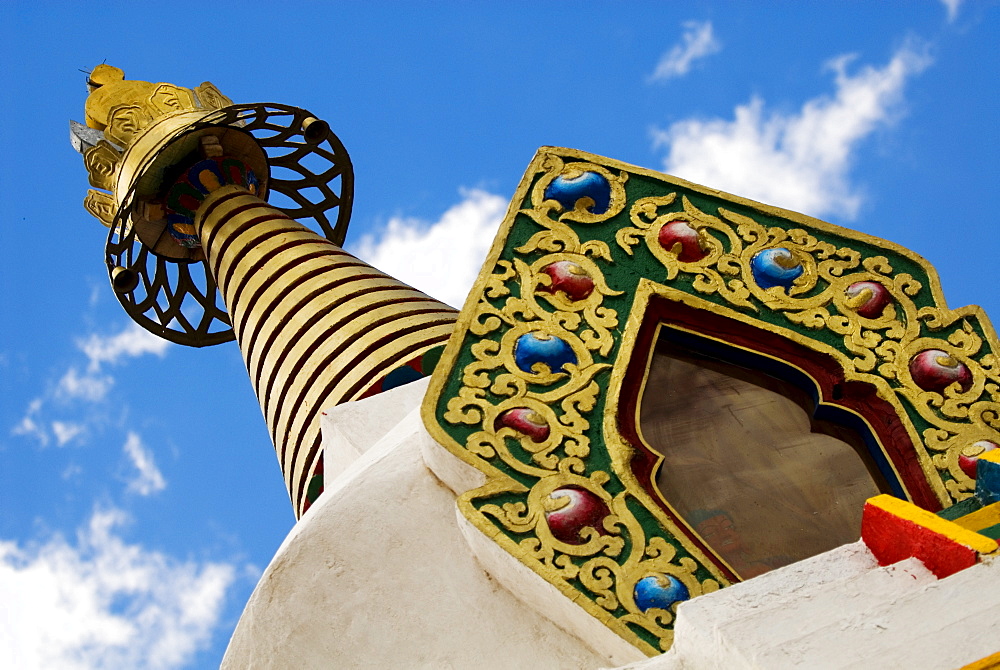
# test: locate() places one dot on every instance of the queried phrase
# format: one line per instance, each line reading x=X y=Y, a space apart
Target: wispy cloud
x=799 y=161
x=66 y=431
x=952 y=7
x=88 y=386
x=104 y=603
x=148 y=478
x=29 y=426
x=133 y=341
x=697 y=42
x=442 y=258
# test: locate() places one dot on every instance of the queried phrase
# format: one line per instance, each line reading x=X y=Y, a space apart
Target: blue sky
x=139 y=494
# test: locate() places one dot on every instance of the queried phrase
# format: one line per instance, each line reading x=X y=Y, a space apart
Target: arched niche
x=747 y=464
x=754 y=445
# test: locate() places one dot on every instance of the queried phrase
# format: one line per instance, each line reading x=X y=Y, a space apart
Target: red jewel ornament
x=678 y=237
x=526 y=421
x=579 y=509
x=935 y=370
x=868 y=298
x=570 y=278
x=970 y=464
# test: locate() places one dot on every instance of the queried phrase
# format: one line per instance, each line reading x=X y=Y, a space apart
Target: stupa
x=651 y=438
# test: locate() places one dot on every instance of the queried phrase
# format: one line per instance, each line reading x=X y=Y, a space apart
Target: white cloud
x=441 y=259
x=696 y=42
x=92 y=387
x=133 y=341
x=798 y=161
x=952 y=7
x=65 y=431
x=102 y=603
x=149 y=479
x=29 y=426
x=72 y=470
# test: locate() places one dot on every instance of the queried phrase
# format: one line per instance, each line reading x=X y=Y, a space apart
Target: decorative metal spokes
x=311 y=179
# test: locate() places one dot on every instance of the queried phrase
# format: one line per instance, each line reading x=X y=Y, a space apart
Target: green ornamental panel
x=537 y=387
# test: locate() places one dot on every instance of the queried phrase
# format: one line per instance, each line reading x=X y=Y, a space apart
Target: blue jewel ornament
x=775 y=267
x=659 y=591
x=533 y=348
x=567 y=190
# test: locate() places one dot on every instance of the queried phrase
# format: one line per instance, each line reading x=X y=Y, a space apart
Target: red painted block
x=895 y=530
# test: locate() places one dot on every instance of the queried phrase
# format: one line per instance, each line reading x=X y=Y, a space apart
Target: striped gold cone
x=316 y=326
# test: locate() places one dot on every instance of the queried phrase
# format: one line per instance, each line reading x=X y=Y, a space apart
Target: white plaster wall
x=378 y=575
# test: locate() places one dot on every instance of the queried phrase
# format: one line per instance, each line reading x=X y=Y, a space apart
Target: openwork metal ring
x=311 y=180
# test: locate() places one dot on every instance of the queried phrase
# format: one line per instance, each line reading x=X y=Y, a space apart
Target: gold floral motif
x=128 y=108
x=167 y=98
x=211 y=97
x=101 y=205
x=125 y=122
x=102 y=164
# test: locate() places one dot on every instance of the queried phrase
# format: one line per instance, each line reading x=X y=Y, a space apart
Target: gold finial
x=122 y=114
x=109 y=88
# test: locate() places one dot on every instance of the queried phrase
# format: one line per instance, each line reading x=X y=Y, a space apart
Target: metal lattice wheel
x=311 y=180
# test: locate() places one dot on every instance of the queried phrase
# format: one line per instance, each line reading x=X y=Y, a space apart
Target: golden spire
x=185 y=178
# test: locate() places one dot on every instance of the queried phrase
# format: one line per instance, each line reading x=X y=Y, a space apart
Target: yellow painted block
x=921 y=517
x=981 y=518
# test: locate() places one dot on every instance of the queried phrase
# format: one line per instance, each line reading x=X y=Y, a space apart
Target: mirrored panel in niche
x=747 y=464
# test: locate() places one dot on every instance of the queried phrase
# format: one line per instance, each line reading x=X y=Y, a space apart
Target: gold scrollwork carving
x=881 y=344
